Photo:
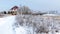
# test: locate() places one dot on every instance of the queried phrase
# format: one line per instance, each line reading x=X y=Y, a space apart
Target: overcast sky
x=41 y=5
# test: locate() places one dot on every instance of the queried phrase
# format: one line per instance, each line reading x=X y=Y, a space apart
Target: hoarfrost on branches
x=39 y=24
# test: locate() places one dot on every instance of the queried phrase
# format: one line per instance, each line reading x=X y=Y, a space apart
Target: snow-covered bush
x=39 y=24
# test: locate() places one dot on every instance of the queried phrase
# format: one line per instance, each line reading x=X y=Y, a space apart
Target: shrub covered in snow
x=39 y=24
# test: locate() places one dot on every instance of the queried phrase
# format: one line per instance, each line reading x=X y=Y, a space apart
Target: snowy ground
x=6 y=27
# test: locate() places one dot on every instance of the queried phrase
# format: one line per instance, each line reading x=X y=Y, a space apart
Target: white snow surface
x=50 y=15
x=6 y=27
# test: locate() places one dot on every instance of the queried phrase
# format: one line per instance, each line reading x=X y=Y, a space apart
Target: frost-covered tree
x=24 y=10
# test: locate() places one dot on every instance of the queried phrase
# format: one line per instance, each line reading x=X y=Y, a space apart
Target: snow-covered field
x=6 y=26
x=28 y=24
